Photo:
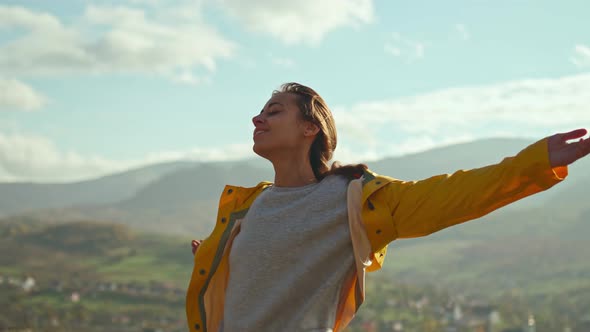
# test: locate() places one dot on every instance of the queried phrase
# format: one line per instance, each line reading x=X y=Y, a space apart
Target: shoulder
x=378 y=184
x=372 y=179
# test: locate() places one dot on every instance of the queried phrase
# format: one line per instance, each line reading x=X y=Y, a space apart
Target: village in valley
x=75 y=306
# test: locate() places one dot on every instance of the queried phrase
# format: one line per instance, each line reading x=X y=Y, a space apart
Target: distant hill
x=540 y=251
x=180 y=202
x=183 y=199
x=115 y=273
x=17 y=197
x=108 y=251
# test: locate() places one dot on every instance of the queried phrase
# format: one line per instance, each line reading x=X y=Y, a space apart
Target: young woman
x=291 y=255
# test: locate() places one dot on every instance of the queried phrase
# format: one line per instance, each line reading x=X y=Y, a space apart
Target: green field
x=130 y=281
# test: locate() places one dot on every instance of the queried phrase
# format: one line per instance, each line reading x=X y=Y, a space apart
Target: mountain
x=184 y=200
x=541 y=250
x=178 y=202
x=16 y=198
x=450 y=158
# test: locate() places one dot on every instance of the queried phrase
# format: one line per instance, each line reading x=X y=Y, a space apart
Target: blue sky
x=93 y=87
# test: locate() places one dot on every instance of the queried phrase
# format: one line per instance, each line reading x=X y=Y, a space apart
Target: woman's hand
x=195 y=245
x=562 y=153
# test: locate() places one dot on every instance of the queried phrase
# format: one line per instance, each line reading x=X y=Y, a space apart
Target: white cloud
x=346 y=155
x=367 y=131
x=582 y=56
x=36 y=158
x=462 y=30
x=404 y=48
x=15 y=95
x=31 y=158
x=222 y=153
x=111 y=39
x=526 y=108
x=299 y=21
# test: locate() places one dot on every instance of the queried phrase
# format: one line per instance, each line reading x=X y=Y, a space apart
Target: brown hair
x=315 y=110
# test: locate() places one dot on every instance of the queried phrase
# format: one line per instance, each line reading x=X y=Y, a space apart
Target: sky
x=92 y=87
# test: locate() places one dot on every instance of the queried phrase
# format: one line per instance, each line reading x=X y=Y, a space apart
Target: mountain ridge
x=183 y=199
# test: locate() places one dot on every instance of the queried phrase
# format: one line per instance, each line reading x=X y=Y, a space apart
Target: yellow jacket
x=380 y=210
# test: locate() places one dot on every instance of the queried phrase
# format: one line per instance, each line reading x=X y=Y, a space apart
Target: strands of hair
x=314 y=109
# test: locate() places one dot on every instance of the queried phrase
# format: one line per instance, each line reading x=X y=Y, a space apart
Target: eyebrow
x=273 y=103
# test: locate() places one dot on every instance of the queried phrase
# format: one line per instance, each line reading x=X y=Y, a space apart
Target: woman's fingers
x=562 y=153
x=574 y=134
x=195 y=245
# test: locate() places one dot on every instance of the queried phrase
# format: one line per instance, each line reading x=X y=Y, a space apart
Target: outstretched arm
x=419 y=208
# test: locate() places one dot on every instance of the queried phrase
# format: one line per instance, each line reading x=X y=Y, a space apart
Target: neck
x=293 y=172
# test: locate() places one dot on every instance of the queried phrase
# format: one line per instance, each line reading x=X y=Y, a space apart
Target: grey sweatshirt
x=289 y=260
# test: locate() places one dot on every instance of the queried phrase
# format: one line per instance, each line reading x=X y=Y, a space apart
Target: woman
x=306 y=240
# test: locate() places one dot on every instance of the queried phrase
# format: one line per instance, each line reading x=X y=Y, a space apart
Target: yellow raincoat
x=380 y=210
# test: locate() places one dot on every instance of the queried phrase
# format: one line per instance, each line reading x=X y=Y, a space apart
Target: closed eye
x=272 y=112
x=270 y=105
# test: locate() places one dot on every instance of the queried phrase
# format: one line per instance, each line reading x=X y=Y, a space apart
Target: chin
x=260 y=151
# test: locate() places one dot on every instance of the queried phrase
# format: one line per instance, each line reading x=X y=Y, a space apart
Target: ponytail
x=314 y=109
x=351 y=172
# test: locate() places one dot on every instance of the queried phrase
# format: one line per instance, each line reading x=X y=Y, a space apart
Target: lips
x=258 y=132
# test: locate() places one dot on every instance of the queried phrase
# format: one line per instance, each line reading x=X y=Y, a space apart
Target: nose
x=257 y=120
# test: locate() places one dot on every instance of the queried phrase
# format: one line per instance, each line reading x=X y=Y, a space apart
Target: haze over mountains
x=181 y=197
x=21 y=197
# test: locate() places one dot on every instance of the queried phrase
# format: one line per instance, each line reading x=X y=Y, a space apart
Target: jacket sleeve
x=419 y=208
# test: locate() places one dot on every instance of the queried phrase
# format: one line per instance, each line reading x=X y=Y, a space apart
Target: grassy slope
x=539 y=265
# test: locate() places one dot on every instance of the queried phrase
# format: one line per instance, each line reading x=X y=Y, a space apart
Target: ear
x=310 y=129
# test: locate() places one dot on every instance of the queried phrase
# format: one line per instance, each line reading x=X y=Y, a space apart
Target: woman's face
x=279 y=128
